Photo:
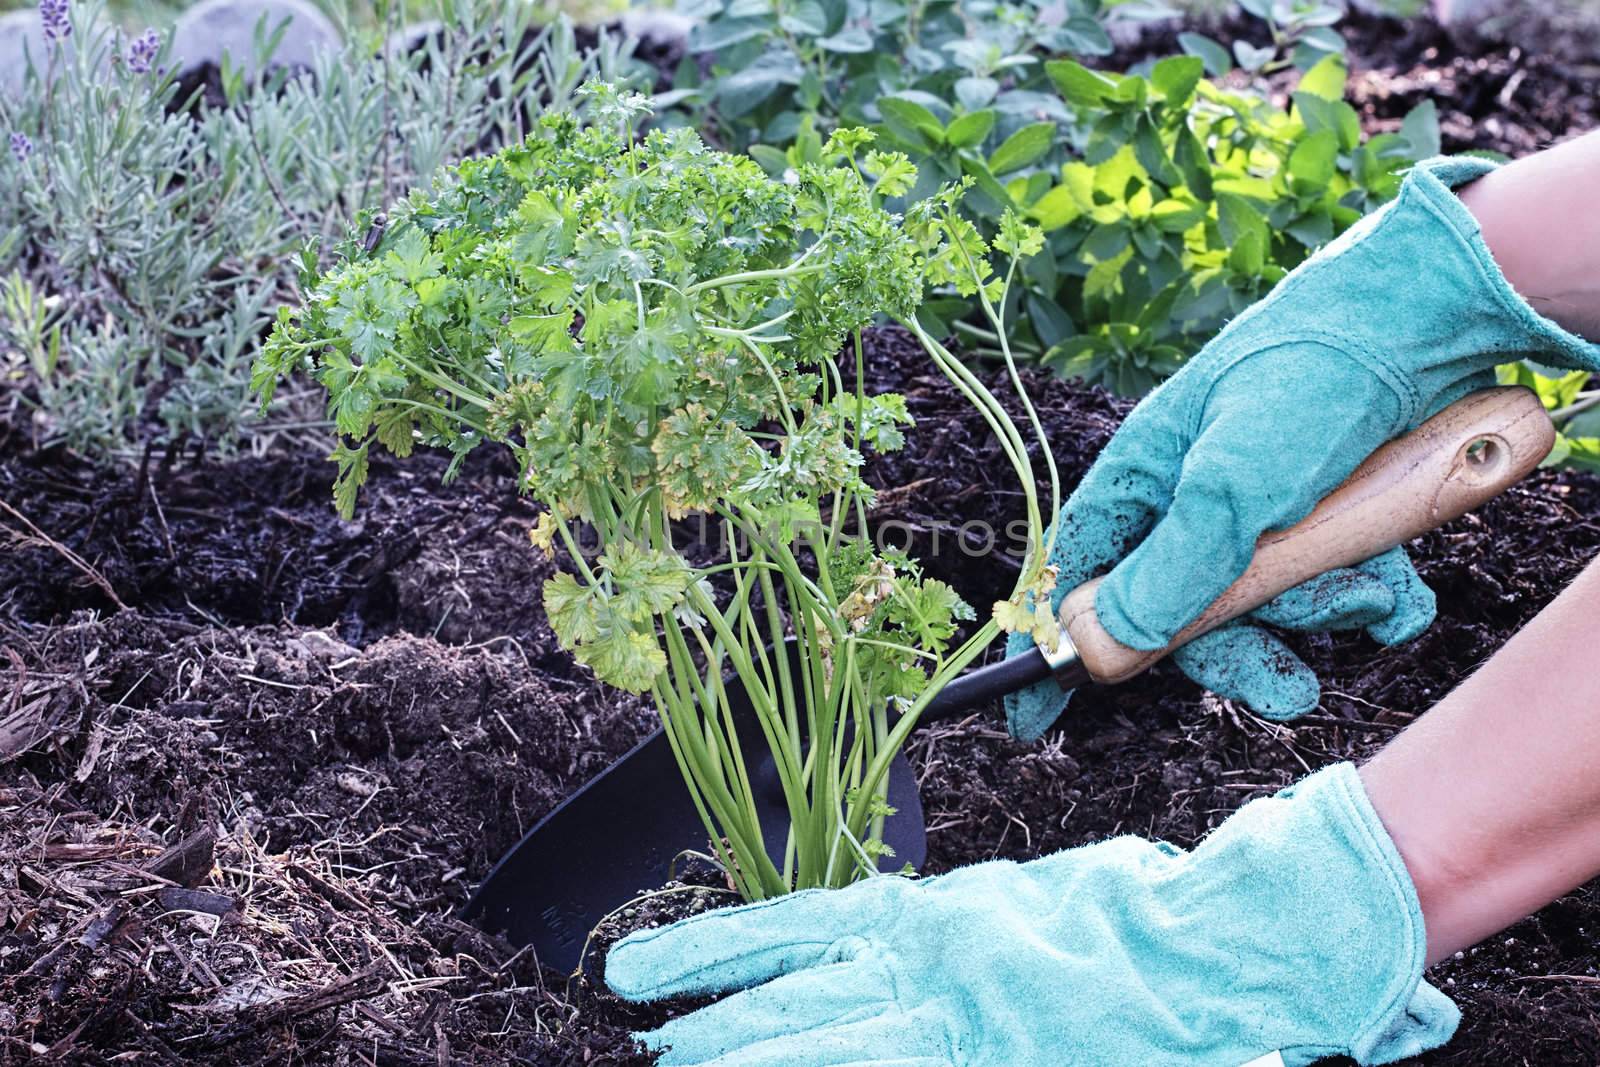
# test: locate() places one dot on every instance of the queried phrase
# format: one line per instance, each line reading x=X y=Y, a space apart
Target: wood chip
x=176 y=898
x=189 y=861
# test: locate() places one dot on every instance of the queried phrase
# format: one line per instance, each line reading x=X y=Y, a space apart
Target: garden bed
x=371 y=712
x=271 y=751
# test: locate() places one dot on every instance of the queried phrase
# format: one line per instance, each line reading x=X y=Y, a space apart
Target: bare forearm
x=1493 y=796
x=1538 y=216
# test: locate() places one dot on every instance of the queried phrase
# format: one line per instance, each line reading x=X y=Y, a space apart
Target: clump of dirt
x=350 y=799
x=260 y=543
x=435 y=759
x=1493 y=94
x=219 y=950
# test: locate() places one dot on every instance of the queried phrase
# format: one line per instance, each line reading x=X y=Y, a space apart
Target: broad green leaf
x=1250 y=57
x=1152 y=153
x=1175 y=216
x=1420 y=129
x=1119 y=176
x=1176 y=78
x=1347 y=125
x=971 y=129
x=851 y=41
x=1326 y=79
x=1216 y=58
x=976 y=92
x=1085 y=36
x=1055 y=209
x=724 y=33
x=743 y=92
x=1023 y=148
x=805 y=18
x=1193 y=163
x=1336 y=115
x=773 y=160
x=1080 y=86
x=1238 y=220
x=909 y=119
x=1249 y=256
x=1320 y=39
x=1051 y=323
x=1313 y=161
x=1103 y=277
x=1313 y=229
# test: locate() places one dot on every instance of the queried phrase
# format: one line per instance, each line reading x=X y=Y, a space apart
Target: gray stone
x=211 y=29
x=1468 y=12
x=657 y=27
x=21 y=37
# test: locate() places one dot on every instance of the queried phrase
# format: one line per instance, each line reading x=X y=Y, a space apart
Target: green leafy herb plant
x=1169 y=204
x=660 y=333
x=1573 y=402
x=775 y=65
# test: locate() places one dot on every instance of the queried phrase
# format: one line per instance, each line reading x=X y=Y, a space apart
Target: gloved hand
x=1294 y=926
x=1400 y=316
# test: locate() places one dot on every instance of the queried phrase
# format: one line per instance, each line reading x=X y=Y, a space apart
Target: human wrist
x=1536 y=218
x=1498 y=322
x=1441 y=876
x=1341 y=898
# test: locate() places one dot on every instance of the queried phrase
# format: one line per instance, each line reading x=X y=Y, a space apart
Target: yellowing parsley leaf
x=542 y=534
x=625 y=658
x=645 y=582
x=571 y=609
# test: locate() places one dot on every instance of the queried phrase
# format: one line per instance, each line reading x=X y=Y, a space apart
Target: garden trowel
x=621 y=833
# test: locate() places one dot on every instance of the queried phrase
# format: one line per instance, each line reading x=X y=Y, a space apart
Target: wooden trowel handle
x=1468 y=453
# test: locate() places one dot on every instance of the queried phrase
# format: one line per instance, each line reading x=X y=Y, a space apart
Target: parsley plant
x=660 y=331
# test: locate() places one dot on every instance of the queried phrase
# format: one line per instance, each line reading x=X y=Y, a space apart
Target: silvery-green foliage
x=775 y=63
x=162 y=244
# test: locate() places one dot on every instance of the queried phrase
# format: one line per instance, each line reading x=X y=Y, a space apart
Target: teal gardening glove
x=1393 y=321
x=1294 y=926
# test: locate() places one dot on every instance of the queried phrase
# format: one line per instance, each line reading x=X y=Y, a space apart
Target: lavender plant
x=165 y=237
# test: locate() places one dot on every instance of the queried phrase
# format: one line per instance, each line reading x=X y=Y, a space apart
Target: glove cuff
x=1410 y=1016
x=1343 y=918
x=1477 y=285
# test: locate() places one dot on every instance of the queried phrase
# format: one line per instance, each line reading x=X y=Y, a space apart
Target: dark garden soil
x=254 y=797
x=253 y=758
x=1513 y=85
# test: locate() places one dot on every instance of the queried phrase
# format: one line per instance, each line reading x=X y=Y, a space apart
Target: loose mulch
x=253 y=800
x=255 y=757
